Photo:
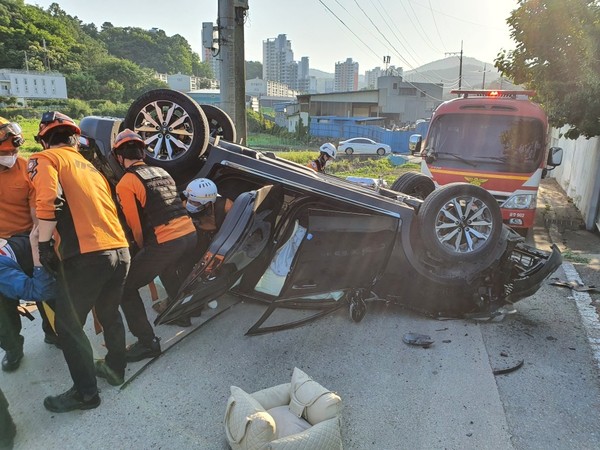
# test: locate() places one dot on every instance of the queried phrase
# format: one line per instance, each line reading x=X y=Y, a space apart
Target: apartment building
x=30 y=84
x=346 y=76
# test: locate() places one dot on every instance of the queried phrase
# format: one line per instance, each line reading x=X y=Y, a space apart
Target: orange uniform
x=131 y=193
x=70 y=191
x=18 y=198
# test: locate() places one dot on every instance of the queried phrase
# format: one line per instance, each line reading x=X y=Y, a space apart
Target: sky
x=411 y=32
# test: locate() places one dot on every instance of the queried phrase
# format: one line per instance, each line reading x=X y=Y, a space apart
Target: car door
x=246 y=233
x=340 y=250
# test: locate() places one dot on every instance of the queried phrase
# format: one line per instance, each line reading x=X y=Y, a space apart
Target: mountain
x=446 y=71
x=319 y=73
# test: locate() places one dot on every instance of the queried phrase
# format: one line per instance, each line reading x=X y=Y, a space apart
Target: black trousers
x=87 y=281
x=162 y=260
x=7 y=426
x=10 y=325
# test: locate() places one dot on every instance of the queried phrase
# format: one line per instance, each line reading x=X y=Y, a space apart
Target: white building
x=372 y=75
x=32 y=85
x=260 y=88
x=346 y=76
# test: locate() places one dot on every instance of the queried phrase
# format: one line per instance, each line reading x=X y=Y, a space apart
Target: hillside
x=109 y=63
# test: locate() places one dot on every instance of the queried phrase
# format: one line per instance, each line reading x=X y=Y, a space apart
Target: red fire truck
x=493 y=139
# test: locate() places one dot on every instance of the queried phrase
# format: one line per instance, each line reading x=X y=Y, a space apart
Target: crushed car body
x=298 y=239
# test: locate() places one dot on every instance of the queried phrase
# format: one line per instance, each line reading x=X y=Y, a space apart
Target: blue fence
x=345 y=128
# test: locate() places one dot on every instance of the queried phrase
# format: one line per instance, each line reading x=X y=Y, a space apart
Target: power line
x=436 y=75
x=347 y=27
x=398 y=53
x=435 y=24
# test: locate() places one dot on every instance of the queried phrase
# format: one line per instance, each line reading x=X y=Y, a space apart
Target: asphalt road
x=394 y=396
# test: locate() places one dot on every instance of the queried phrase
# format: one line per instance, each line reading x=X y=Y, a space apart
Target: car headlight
x=520 y=201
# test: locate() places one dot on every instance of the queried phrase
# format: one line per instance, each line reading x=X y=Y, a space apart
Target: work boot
x=139 y=351
x=12 y=360
x=52 y=339
x=70 y=401
x=103 y=371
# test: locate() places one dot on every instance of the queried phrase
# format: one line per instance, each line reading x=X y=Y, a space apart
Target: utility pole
x=233 y=72
x=460 y=67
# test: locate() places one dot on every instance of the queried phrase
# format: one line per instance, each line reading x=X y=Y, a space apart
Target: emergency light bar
x=493 y=93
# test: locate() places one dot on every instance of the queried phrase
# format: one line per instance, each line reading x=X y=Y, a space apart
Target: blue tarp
x=341 y=128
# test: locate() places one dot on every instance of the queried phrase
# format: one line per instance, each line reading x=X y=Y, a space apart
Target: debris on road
x=421 y=340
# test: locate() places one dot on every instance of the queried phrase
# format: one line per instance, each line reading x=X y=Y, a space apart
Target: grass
x=574 y=257
x=270 y=141
x=30 y=129
x=375 y=167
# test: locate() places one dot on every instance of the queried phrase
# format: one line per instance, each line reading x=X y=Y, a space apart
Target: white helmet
x=201 y=190
x=329 y=149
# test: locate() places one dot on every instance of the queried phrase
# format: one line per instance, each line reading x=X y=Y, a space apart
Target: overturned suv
x=299 y=239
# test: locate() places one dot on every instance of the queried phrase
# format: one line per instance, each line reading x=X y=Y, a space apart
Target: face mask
x=328 y=163
x=193 y=208
x=8 y=161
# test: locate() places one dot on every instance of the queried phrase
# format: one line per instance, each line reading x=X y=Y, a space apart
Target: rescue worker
x=162 y=230
x=82 y=240
x=17 y=212
x=327 y=153
x=207 y=210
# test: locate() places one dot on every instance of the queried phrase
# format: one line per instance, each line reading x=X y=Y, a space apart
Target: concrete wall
x=579 y=174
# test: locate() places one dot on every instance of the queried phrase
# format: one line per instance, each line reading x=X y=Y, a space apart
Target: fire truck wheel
x=460 y=222
x=219 y=123
x=173 y=125
x=414 y=184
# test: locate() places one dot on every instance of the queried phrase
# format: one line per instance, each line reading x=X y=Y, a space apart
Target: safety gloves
x=48 y=257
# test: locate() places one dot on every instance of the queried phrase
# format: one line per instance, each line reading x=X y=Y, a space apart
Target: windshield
x=487 y=142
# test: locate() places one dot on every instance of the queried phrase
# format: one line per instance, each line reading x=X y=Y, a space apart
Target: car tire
x=219 y=123
x=175 y=142
x=381 y=151
x=349 y=151
x=414 y=184
x=451 y=234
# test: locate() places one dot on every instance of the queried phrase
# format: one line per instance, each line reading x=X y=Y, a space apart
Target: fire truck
x=493 y=139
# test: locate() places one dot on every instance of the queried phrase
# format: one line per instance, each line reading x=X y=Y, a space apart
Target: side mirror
x=555 y=156
x=414 y=143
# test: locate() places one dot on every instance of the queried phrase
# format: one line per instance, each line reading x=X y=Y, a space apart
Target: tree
x=254 y=69
x=558 y=55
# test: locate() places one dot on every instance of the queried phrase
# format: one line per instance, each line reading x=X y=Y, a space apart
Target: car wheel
x=414 y=184
x=219 y=123
x=173 y=125
x=460 y=222
x=349 y=151
x=381 y=151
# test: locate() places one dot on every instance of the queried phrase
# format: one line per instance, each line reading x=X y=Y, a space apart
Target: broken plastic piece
x=574 y=285
x=422 y=340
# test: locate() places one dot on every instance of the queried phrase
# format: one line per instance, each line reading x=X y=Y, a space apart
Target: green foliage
x=558 y=55
x=368 y=167
x=254 y=69
x=116 y=64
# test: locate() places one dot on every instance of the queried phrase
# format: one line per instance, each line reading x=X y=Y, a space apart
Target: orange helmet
x=128 y=136
x=129 y=145
x=53 y=121
x=8 y=130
